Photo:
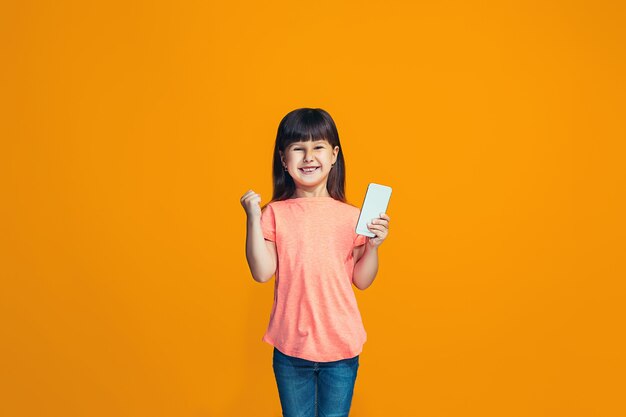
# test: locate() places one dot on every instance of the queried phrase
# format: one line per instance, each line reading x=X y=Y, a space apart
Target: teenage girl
x=306 y=237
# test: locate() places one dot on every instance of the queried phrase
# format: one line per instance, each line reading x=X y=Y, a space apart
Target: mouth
x=308 y=171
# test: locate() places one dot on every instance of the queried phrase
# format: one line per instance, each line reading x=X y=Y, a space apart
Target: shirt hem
x=296 y=354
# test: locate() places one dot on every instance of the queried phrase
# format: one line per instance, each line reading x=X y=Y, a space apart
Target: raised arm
x=260 y=253
x=366 y=259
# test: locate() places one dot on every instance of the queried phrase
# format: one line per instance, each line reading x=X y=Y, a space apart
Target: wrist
x=253 y=220
x=371 y=247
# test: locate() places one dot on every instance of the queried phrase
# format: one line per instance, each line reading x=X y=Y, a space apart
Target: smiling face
x=319 y=154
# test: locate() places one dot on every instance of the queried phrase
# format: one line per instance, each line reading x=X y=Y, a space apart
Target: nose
x=308 y=156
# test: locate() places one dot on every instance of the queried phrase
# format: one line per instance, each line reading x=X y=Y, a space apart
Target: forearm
x=366 y=268
x=259 y=258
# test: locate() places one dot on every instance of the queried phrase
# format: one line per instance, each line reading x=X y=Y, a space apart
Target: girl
x=307 y=230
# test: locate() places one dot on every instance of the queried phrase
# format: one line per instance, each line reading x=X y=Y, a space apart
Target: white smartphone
x=375 y=202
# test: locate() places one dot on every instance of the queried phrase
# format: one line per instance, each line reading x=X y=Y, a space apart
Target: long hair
x=303 y=125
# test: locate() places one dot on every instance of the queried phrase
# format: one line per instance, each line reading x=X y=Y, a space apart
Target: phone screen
x=375 y=202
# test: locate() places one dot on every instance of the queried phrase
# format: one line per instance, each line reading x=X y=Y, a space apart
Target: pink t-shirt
x=315 y=314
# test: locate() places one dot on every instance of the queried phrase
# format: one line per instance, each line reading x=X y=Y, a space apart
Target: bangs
x=306 y=126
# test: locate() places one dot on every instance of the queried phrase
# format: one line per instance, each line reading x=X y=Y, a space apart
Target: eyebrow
x=319 y=142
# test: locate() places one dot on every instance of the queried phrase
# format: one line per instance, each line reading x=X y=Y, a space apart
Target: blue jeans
x=314 y=389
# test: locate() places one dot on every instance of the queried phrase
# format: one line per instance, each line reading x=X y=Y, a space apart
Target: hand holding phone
x=375 y=202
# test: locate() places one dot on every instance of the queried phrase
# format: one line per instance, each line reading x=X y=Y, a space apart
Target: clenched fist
x=251 y=203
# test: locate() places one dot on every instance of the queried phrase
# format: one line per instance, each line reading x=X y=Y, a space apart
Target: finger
x=250 y=194
x=379 y=227
x=381 y=222
x=247 y=195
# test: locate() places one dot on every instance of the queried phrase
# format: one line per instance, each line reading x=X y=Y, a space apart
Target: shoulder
x=349 y=209
x=268 y=213
x=267 y=208
x=274 y=209
x=271 y=206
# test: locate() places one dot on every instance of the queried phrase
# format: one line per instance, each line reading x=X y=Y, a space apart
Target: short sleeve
x=268 y=223
x=359 y=240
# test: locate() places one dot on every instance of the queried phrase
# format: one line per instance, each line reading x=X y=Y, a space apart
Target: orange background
x=131 y=129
